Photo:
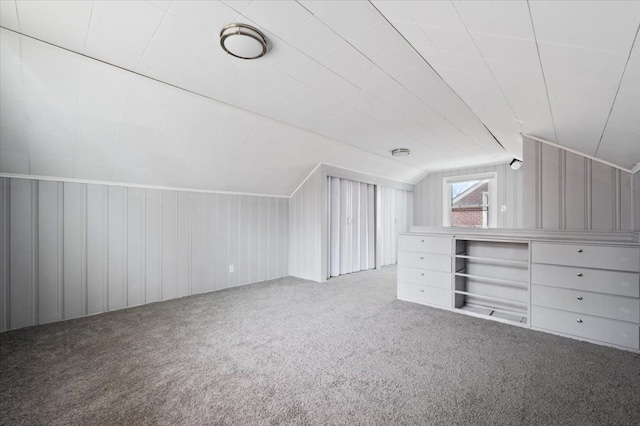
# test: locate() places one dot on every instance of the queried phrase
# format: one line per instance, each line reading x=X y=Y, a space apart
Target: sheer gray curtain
x=351 y=226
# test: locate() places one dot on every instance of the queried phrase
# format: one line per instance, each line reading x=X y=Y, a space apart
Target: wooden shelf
x=495 y=299
x=494 y=260
x=522 y=284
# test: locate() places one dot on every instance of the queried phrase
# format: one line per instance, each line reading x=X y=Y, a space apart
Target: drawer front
x=433 y=262
x=600 y=329
x=612 y=282
x=425 y=244
x=601 y=305
x=589 y=256
x=424 y=277
x=424 y=295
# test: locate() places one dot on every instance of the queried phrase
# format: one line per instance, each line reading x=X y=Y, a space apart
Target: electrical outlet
x=231 y=268
x=503 y=209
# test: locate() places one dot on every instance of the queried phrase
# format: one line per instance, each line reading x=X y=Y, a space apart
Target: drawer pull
x=421 y=257
x=579 y=320
x=579 y=274
x=579 y=250
x=421 y=290
x=422 y=241
x=422 y=274
x=579 y=297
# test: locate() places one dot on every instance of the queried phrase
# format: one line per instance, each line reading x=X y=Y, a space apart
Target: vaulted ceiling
x=141 y=92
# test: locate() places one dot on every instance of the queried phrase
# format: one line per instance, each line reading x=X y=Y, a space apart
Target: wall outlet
x=503 y=209
x=231 y=268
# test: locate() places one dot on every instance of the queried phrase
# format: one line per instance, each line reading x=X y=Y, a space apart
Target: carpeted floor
x=290 y=351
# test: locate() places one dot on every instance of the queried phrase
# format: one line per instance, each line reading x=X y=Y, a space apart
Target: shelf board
x=521 y=284
x=494 y=260
x=507 y=317
x=495 y=299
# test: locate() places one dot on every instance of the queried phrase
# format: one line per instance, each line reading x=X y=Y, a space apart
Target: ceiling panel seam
x=613 y=103
x=488 y=67
x=212 y=99
x=544 y=77
x=443 y=80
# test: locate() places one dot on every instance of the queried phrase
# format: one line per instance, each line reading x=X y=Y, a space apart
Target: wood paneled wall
x=428 y=208
x=307 y=211
x=564 y=190
x=636 y=197
x=72 y=249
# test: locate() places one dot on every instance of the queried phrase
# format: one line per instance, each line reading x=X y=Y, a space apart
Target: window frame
x=492 y=177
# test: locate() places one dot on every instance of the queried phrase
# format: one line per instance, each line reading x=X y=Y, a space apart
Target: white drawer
x=425 y=277
x=589 y=256
x=586 y=326
x=433 y=262
x=425 y=244
x=424 y=295
x=601 y=305
x=612 y=282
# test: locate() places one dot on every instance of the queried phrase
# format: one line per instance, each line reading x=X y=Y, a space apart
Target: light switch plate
x=231 y=268
x=503 y=209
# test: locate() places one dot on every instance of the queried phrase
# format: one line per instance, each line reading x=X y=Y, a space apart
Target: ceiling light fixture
x=515 y=164
x=243 y=41
x=400 y=152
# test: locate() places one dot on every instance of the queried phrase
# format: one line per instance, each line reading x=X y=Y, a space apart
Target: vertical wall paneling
x=153 y=245
x=603 y=188
x=49 y=253
x=183 y=255
x=135 y=241
x=636 y=200
x=4 y=253
x=96 y=248
x=21 y=254
x=219 y=246
x=169 y=244
x=263 y=243
x=234 y=236
x=551 y=183
x=117 y=247
x=197 y=240
x=74 y=249
x=428 y=204
x=306 y=209
x=563 y=190
x=575 y=192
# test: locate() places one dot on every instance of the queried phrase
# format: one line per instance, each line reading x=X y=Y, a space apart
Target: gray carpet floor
x=290 y=351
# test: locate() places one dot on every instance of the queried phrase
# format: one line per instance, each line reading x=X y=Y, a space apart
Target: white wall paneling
x=305 y=247
x=74 y=249
x=564 y=190
x=427 y=203
x=636 y=200
x=310 y=214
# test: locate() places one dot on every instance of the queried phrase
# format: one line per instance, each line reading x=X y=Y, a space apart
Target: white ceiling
x=141 y=92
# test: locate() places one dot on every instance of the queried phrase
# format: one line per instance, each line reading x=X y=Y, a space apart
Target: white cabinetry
x=581 y=289
x=589 y=291
x=424 y=270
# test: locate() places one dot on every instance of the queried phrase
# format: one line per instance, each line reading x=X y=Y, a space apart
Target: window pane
x=470 y=203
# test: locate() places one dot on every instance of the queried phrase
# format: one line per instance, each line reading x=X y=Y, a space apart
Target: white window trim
x=493 y=196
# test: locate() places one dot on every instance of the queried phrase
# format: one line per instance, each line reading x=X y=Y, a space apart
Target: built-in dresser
x=580 y=285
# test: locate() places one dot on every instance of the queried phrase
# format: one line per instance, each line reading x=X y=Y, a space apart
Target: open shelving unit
x=491 y=279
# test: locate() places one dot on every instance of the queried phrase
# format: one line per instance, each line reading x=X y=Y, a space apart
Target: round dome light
x=243 y=41
x=400 y=152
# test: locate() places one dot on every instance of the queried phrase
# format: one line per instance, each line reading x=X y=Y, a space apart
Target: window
x=470 y=201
